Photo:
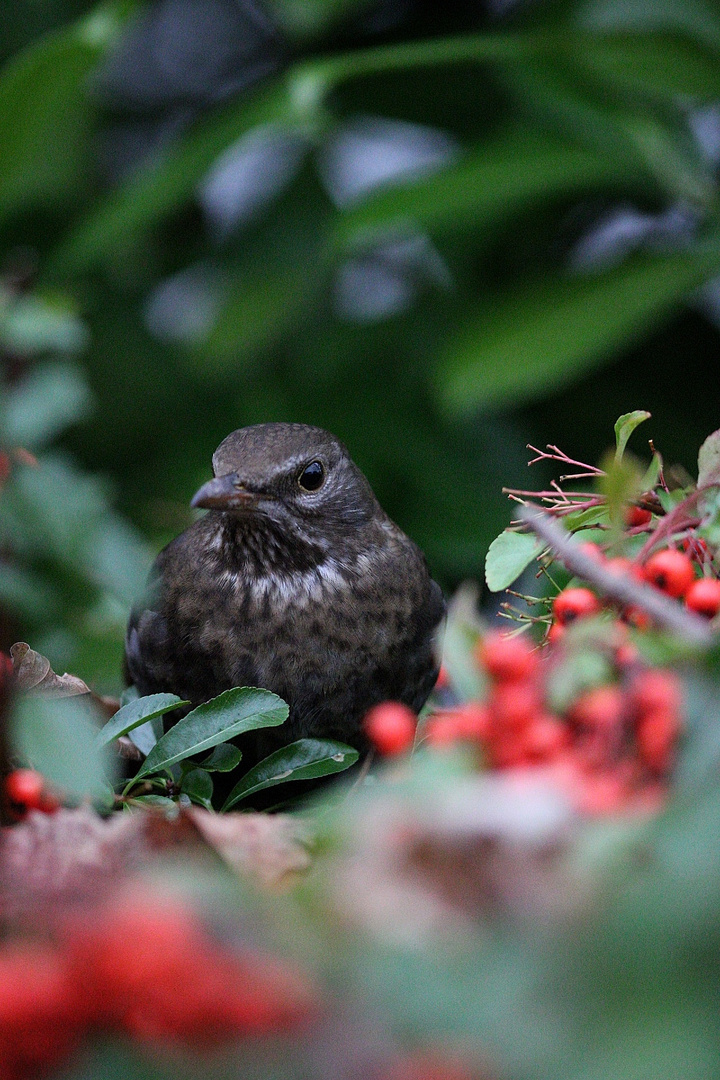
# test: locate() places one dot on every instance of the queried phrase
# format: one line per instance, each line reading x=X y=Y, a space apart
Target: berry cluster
x=673 y=572
x=612 y=746
x=146 y=967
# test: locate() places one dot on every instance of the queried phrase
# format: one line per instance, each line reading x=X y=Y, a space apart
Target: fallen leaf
x=33 y=672
x=269 y=847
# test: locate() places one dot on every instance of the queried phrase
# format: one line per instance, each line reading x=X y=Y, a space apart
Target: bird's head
x=298 y=477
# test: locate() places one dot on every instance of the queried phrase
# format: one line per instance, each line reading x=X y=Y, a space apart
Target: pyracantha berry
x=575 y=603
x=703 y=597
x=506 y=658
x=390 y=727
x=670 y=571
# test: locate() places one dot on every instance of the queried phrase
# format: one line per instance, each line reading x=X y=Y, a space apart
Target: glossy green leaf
x=198 y=786
x=137 y=712
x=624 y=427
x=508 y=555
x=224 y=758
x=57 y=736
x=306 y=759
x=232 y=713
x=526 y=345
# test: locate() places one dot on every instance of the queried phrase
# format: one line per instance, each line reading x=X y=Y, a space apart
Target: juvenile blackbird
x=296 y=581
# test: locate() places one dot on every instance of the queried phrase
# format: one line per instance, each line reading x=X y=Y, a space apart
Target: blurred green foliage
x=438 y=231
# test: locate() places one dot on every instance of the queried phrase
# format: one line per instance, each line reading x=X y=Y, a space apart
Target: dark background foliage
x=441 y=231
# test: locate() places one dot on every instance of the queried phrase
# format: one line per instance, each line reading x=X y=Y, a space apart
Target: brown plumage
x=295 y=580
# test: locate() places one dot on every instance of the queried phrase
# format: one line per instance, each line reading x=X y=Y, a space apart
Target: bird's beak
x=223 y=493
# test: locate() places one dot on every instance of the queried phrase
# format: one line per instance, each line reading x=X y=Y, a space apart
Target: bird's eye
x=312 y=476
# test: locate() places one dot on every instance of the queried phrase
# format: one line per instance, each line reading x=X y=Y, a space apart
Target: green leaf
x=232 y=713
x=198 y=786
x=163 y=187
x=305 y=759
x=624 y=427
x=508 y=556
x=138 y=712
x=57 y=736
x=709 y=461
x=498 y=177
x=46 y=114
x=524 y=346
x=662 y=65
x=224 y=758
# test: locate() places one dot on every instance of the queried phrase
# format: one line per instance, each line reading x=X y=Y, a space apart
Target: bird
x=295 y=580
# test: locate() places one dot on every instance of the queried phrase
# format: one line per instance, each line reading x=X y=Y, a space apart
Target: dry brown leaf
x=33 y=672
x=269 y=847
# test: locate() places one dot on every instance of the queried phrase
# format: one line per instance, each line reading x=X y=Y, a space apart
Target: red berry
x=514 y=704
x=703 y=597
x=656 y=690
x=555 y=634
x=576 y=603
x=601 y=708
x=545 y=738
x=635 y=516
x=593 y=551
x=390 y=727
x=636 y=616
x=39 y=1025
x=621 y=565
x=657 y=734
x=25 y=788
x=506 y=658
x=670 y=571
x=466 y=723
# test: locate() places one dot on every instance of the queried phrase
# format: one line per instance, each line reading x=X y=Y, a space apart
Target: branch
x=621 y=587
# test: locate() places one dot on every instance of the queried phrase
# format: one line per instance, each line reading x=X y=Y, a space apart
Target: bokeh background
x=442 y=231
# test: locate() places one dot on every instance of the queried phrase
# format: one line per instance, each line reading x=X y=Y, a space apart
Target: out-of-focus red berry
x=39 y=1025
x=625 y=655
x=622 y=565
x=671 y=571
x=429 y=1065
x=656 y=690
x=657 y=734
x=555 y=634
x=390 y=727
x=575 y=603
x=147 y=966
x=635 y=516
x=26 y=790
x=506 y=658
x=514 y=704
x=602 y=793
x=465 y=723
x=600 y=708
x=592 y=550
x=545 y=738
x=636 y=616
x=703 y=597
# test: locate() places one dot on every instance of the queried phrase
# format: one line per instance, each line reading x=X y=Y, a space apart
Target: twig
x=620 y=587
